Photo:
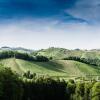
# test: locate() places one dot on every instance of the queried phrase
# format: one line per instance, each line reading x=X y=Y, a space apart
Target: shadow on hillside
x=51 y=65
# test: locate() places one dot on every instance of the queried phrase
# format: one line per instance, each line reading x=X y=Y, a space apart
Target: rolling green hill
x=59 y=53
x=59 y=68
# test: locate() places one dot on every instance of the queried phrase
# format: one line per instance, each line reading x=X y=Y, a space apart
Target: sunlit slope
x=52 y=68
x=59 y=53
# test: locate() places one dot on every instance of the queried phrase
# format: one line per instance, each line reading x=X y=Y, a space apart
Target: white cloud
x=87 y=10
x=36 y=36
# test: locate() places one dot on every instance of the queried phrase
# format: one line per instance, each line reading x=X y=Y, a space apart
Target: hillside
x=60 y=68
x=59 y=53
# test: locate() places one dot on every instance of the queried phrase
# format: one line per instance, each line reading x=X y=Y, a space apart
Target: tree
x=96 y=91
x=29 y=75
x=71 y=89
x=80 y=91
x=11 y=87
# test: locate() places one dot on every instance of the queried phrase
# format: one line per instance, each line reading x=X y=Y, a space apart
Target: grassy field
x=60 y=68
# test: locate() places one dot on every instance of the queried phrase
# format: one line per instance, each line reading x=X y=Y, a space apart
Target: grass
x=59 y=68
x=59 y=53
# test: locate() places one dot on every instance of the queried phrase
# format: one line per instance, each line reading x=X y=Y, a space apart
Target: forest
x=13 y=87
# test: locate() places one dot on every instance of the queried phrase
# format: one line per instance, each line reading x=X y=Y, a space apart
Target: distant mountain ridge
x=20 y=49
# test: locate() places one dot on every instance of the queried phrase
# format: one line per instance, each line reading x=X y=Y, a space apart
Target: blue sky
x=40 y=24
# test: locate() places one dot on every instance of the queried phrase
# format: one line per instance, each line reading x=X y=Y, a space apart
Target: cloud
x=43 y=23
x=33 y=35
x=75 y=11
x=87 y=10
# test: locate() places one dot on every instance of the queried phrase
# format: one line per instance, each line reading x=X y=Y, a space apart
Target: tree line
x=95 y=62
x=13 y=87
x=24 y=56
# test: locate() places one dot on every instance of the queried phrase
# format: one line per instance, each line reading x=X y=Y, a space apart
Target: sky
x=37 y=24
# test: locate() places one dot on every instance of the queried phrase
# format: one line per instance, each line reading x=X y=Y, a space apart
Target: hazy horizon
x=48 y=48
x=38 y=24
